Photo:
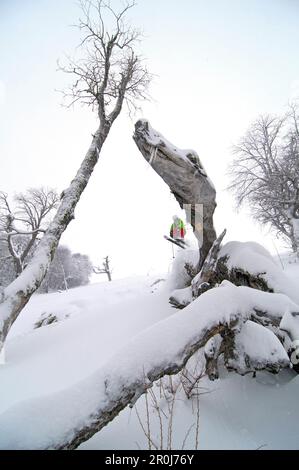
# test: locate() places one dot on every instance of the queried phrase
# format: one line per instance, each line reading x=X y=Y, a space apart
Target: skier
x=177 y=230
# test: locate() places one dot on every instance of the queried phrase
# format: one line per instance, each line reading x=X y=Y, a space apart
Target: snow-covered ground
x=95 y=322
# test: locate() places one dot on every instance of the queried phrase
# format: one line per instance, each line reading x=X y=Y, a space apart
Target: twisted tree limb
x=187 y=179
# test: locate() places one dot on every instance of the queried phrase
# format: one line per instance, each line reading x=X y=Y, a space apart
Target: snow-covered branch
x=67 y=418
x=16 y=232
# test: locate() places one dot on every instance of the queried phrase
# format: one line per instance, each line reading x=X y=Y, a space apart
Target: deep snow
x=95 y=323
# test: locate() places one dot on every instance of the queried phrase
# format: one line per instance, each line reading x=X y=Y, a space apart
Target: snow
x=157 y=140
x=23 y=284
x=212 y=346
x=26 y=281
x=255 y=346
x=182 y=296
x=179 y=277
x=290 y=324
x=112 y=333
x=235 y=413
x=254 y=258
x=70 y=362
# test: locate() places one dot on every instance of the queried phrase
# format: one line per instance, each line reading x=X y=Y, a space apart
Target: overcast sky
x=218 y=64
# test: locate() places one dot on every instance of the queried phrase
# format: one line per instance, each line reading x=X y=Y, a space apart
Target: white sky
x=219 y=64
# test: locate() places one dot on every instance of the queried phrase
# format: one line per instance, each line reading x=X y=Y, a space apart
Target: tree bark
x=208 y=271
x=293 y=215
x=18 y=293
x=184 y=174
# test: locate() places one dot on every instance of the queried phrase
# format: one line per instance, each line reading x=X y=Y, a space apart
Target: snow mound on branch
x=182 y=296
x=179 y=277
x=290 y=324
x=49 y=420
x=256 y=347
x=249 y=256
x=256 y=260
x=157 y=140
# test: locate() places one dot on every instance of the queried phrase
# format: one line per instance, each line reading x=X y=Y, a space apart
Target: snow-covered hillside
x=97 y=321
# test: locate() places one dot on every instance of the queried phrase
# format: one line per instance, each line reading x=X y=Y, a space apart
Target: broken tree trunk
x=183 y=172
x=207 y=274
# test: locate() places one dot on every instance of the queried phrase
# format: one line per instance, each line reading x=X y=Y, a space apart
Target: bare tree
x=67 y=270
x=105 y=269
x=265 y=173
x=109 y=75
x=111 y=72
x=21 y=226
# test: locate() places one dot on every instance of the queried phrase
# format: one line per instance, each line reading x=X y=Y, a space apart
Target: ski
x=179 y=243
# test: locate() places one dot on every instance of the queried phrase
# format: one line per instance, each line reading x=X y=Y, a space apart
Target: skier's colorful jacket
x=177 y=229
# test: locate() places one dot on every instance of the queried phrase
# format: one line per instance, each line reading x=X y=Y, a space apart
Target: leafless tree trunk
x=63 y=274
x=110 y=75
x=105 y=269
x=208 y=270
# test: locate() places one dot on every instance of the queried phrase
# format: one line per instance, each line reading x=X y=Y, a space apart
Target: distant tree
x=81 y=270
x=104 y=269
x=265 y=173
x=22 y=223
x=109 y=75
x=59 y=269
x=67 y=270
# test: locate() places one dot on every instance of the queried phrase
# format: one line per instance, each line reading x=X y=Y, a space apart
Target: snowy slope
x=97 y=321
x=102 y=319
